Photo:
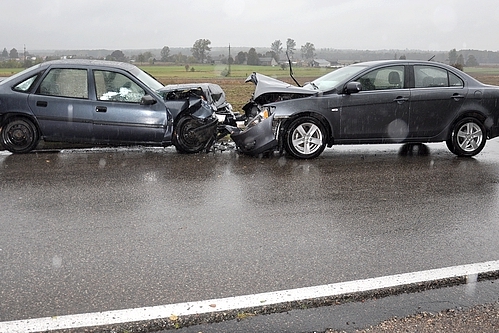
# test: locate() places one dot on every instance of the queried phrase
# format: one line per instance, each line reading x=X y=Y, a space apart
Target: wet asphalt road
x=96 y=230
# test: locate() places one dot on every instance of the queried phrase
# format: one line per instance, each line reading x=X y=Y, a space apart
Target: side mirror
x=147 y=100
x=353 y=87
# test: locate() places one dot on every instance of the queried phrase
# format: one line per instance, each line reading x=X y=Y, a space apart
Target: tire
x=184 y=140
x=305 y=138
x=450 y=145
x=19 y=135
x=467 y=138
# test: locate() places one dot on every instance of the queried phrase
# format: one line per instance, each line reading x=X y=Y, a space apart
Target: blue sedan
x=99 y=102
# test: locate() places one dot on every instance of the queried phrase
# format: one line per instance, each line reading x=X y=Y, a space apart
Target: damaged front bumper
x=258 y=137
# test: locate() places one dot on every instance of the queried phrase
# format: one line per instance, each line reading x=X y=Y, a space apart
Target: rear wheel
x=468 y=137
x=19 y=135
x=184 y=138
x=305 y=138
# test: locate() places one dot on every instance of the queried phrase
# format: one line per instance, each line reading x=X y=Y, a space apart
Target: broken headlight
x=264 y=114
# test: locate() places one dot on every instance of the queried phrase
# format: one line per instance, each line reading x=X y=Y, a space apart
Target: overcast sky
x=436 y=25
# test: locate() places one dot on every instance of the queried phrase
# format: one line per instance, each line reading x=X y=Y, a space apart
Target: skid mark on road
x=468 y=272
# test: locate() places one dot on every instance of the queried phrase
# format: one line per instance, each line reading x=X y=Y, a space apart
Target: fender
x=199 y=108
x=201 y=111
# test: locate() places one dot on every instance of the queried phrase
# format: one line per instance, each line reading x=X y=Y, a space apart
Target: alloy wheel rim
x=307 y=138
x=469 y=137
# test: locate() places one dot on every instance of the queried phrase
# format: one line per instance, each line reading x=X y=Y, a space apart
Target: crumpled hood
x=266 y=84
x=212 y=92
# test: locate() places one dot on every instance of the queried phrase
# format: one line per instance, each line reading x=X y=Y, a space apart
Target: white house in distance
x=320 y=63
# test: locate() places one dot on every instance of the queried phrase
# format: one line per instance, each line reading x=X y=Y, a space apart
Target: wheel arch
x=19 y=133
x=470 y=114
x=19 y=115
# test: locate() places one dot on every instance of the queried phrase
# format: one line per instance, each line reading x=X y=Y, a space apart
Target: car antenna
x=291 y=70
x=431 y=59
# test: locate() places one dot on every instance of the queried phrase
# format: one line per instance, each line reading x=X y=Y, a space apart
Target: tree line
x=200 y=53
x=279 y=52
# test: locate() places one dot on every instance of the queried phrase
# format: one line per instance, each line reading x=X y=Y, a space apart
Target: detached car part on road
x=395 y=101
x=100 y=102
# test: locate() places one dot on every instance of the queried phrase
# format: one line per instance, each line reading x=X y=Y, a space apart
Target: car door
x=436 y=98
x=61 y=105
x=118 y=114
x=380 y=111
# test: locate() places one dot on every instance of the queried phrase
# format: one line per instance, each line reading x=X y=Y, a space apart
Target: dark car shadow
x=414 y=149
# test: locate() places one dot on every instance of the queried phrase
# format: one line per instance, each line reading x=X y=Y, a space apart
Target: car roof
x=401 y=62
x=89 y=62
x=382 y=62
x=71 y=62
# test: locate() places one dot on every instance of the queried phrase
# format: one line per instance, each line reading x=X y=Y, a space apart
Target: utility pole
x=228 y=60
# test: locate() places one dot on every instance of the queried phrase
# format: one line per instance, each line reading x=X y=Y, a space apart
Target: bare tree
x=276 y=48
x=290 y=47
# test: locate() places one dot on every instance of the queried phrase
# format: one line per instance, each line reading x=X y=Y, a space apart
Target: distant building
x=320 y=63
x=267 y=61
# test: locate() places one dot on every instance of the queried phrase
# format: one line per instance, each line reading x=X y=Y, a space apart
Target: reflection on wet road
x=95 y=230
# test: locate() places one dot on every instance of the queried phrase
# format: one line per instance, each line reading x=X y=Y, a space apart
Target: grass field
x=238 y=92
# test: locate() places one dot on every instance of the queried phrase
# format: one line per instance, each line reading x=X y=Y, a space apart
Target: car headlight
x=264 y=114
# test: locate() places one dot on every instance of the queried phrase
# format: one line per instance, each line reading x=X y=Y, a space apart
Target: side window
x=383 y=78
x=25 y=85
x=430 y=77
x=112 y=86
x=65 y=82
x=455 y=81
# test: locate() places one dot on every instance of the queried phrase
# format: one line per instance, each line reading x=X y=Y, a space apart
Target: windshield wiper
x=314 y=85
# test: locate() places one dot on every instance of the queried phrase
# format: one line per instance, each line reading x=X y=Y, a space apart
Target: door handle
x=100 y=109
x=457 y=97
x=43 y=104
x=401 y=99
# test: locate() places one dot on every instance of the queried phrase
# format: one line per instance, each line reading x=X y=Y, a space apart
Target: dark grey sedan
x=395 y=101
x=99 y=102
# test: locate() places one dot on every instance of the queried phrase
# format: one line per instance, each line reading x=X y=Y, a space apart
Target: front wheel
x=19 y=135
x=468 y=137
x=185 y=139
x=305 y=138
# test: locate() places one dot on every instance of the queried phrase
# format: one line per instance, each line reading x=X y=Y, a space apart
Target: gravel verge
x=480 y=318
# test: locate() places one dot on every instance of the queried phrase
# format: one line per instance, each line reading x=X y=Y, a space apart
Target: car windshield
x=147 y=79
x=331 y=80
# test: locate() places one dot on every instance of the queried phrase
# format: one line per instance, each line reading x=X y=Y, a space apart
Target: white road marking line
x=243 y=302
